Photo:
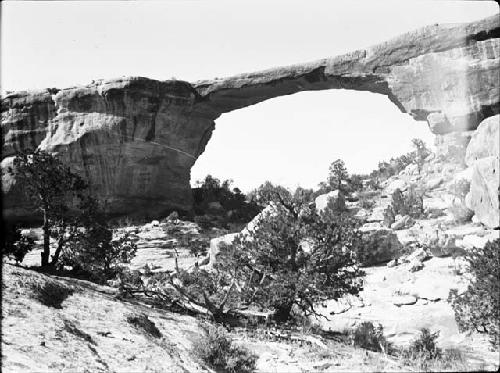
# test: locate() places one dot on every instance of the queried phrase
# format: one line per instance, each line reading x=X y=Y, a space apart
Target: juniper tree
x=338 y=174
x=295 y=257
x=51 y=187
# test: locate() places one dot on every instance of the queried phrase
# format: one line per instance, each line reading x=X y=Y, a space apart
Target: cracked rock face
x=136 y=139
x=483 y=156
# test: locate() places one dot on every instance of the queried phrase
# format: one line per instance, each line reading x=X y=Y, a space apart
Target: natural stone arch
x=136 y=139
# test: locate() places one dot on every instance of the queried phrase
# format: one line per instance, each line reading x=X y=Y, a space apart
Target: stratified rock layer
x=136 y=139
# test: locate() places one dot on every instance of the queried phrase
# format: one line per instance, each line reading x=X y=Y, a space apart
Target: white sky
x=290 y=140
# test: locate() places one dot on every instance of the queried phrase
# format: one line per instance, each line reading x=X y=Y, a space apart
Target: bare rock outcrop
x=136 y=139
x=483 y=156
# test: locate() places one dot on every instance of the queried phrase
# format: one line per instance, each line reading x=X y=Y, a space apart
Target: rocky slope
x=90 y=332
x=418 y=261
x=136 y=139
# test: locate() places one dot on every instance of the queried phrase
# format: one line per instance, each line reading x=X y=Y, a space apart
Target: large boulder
x=485 y=141
x=483 y=156
x=335 y=196
x=215 y=246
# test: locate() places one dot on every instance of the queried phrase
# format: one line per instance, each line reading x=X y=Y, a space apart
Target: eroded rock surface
x=136 y=139
x=483 y=156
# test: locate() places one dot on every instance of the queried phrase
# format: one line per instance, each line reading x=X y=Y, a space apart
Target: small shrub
x=461 y=214
x=51 y=293
x=173 y=216
x=425 y=344
x=15 y=244
x=389 y=216
x=366 y=202
x=477 y=308
x=410 y=203
x=99 y=255
x=424 y=355
x=143 y=323
x=216 y=349
x=370 y=337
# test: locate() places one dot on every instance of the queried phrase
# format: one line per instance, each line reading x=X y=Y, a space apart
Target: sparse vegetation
x=477 y=309
x=217 y=349
x=393 y=167
x=426 y=344
x=460 y=213
x=94 y=250
x=51 y=293
x=370 y=337
x=410 y=203
x=424 y=354
x=216 y=204
x=144 y=324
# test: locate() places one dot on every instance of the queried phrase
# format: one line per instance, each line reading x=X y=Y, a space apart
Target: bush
x=173 y=216
x=425 y=344
x=369 y=337
x=15 y=244
x=293 y=257
x=461 y=214
x=378 y=246
x=143 y=323
x=477 y=308
x=450 y=359
x=217 y=350
x=410 y=203
x=366 y=199
x=297 y=257
x=424 y=354
x=51 y=293
x=212 y=190
x=389 y=216
x=94 y=251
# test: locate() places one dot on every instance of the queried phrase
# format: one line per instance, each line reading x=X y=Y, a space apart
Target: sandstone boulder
x=400 y=184
x=402 y=222
x=483 y=197
x=485 y=141
x=483 y=156
x=334 y=196
x=215 y=246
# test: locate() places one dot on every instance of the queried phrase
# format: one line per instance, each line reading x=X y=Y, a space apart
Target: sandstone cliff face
x=136 y=139
x=482 y=155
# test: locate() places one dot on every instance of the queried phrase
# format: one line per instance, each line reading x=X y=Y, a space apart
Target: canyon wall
x=136 y=139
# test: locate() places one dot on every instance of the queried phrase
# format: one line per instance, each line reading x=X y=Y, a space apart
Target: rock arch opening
x=291 y=140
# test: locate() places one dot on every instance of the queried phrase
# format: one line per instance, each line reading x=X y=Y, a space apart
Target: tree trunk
x=46 y=241
x=56 y=255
